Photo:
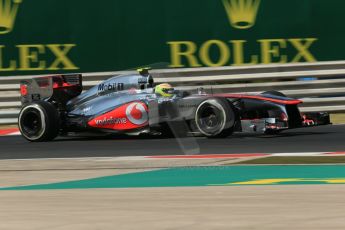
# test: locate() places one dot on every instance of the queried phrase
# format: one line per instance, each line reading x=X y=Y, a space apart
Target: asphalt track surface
x=316 y=139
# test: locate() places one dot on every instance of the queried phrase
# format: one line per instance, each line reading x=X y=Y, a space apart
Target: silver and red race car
x=128 y=104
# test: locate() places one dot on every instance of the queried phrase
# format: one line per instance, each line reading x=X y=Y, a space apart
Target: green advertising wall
x=54 y=36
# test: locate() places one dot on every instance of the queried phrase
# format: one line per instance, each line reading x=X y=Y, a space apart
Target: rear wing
x=60 y=88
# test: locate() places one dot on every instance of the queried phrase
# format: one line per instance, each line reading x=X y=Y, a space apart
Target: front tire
x=39 y=121
x=215 y=118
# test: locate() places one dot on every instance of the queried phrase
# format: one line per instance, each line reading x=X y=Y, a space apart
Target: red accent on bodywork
x=63 y=85
x=23 y=90
x=284 y=117
x=136 y=113
x=306 y=121
x=59 y=82
x=126 y=117
x=262 y=98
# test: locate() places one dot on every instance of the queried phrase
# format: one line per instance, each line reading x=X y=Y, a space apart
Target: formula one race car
x=133 y=104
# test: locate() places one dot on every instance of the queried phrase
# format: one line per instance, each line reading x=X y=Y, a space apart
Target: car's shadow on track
x=297 y=134
x=110 y=138
x=147 y=137
x=282 y=135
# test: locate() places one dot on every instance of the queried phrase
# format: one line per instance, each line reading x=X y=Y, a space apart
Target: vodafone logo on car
x=137 y=113
x=129 y=116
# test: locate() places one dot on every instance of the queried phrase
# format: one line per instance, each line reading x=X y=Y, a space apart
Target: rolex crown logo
x=8 y=13
x=241 y=13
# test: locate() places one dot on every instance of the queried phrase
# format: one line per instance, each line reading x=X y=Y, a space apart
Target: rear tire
x=215 y=118
x=39 y=121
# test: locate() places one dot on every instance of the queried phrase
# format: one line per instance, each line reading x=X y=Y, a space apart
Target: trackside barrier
x=326 y=93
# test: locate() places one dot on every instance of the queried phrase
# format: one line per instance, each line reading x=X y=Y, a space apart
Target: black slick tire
x=39 y=121
x=215 y=118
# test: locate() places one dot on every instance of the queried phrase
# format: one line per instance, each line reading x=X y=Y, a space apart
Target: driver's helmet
x=164 y=90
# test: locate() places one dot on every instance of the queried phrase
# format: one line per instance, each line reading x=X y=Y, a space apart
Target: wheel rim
x=210 y=119
x=32 y=123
